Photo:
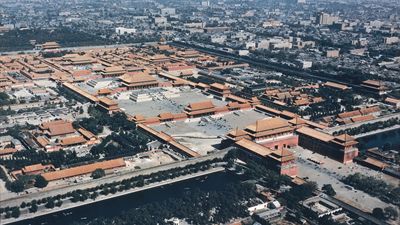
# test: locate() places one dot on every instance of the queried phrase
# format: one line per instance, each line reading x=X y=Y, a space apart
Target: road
x=62 y=189
x=68 y=205
x=267 y=65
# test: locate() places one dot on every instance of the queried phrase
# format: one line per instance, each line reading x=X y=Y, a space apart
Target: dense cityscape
x=192 y=112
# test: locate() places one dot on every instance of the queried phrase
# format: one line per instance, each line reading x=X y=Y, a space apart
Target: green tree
x=391 y=213
x=94 y=195
x=15 y=212
x=40 y=182
x=98 y=173
x=328 y=189
x=16 y=186
x=378 y=213
x=50 y=204
x=59 y=203
x=33 y=208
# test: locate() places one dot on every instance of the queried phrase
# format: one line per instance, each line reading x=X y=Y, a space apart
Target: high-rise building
x=326 y=19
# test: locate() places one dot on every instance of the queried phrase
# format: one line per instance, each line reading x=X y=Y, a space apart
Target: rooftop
x=82 y=170
x=315 y=134
x=268 y=124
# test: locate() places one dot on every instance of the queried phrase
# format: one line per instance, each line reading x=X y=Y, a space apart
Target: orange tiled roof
x=139 y=77
x=392 y=100
x=202 y=85
x=260 y=150
x=376 y=163
x=201 y=105
x=7 y=151
x=113 y=69
x=376 y=83
x=345 y=138
x=349 y=114
x=139 y=117
x=289 y=114
x=42 y=141
x=369 y=110
x=166 y=116
x=268 y=110
x=237 y=133
x=362 y=118
x=238 y=99
x=58 y=127
x=104 y=91
x=268 y=124
x=219 y=86
x=336 y=85
x=72 y=140
x=108 y=101
x=87 y=134
x=85 y=169
x=80 y=92
x=315 y=134
x=180 y=115
x=33 y=168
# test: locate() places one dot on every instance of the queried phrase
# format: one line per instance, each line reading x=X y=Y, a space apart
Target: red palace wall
x=348 y=157
x=290 y=171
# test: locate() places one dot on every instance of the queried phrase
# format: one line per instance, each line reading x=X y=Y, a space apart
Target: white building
x=243 y=52
x=167 y=11
x=250 y=45
x=326 y=19
x=391 y=40
x=160 y=20
x=303 y=64
x=219 y=39
x=123 y=30
x=332 y=53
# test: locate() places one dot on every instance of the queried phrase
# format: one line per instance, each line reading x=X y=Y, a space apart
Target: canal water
x=391 y=138
x=116 y=206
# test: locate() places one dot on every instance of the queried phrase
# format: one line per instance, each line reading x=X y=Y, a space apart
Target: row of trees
x=24 y=182
x=109 y=188
x=365 y=128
